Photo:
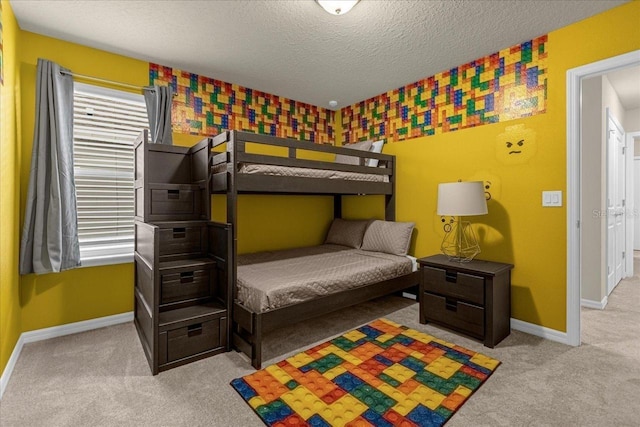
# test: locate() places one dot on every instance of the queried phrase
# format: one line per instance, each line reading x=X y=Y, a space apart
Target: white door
x=636 y=211
x=616 y=173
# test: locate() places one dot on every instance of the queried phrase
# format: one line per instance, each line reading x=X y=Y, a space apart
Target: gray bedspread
x=289 y=171
x=268 y=280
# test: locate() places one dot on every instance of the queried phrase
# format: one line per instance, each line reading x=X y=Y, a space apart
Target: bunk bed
x=238 y=165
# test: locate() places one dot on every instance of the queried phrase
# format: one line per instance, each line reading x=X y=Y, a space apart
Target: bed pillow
x=376 y=147
x=346 y=232
x=351 y=160
x=388 y=236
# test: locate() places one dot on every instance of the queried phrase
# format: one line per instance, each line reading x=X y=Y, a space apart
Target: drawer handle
x=451 y=276
x=451 y=305
x=193 y=330
x=186 y=277
x=179 y=233
x=173 y=194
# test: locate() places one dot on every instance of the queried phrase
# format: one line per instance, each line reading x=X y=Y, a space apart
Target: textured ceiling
x=297 y=50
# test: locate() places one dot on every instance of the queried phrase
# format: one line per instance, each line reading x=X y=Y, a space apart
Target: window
x=106 y=123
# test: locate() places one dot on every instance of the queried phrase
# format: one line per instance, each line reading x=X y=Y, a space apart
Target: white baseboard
x=598 y=305
x=539 y=331
x=8 y=370
x=74 y=328
x=58 y=331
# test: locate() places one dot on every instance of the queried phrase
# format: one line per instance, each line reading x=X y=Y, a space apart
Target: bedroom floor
x=102 y=378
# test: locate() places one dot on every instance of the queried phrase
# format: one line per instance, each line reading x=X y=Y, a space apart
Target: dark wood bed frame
x=248 y=326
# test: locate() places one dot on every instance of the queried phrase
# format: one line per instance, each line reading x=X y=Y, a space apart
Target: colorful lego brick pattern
x=205 y=106
x=381 y=374
x=507 y=85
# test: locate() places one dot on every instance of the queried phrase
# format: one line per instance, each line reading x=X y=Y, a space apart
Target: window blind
x=106 y=123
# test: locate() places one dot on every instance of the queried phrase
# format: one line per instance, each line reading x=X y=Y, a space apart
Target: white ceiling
x=297 y=50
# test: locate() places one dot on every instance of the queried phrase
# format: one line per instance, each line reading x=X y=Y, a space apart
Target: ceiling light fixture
x=337 y=7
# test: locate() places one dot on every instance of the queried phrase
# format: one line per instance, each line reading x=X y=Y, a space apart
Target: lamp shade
x=461 y=198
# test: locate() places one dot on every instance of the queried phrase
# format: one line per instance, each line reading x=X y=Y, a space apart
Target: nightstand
x=473 y=298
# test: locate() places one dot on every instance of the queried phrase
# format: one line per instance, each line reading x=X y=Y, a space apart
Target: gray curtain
x=50 y=232
x=158 y=100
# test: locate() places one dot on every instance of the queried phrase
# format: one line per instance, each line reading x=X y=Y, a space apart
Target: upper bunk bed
x=296 y=167
x=247 y=163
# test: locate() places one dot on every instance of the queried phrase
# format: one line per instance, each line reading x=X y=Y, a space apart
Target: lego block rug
x=381 y=374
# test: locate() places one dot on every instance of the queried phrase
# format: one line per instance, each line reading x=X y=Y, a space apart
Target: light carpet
x=101 y=377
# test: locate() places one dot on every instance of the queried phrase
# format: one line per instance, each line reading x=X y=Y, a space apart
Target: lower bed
x=280 y=287
x=269 y=280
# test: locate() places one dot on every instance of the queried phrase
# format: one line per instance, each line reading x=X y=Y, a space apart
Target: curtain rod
x=97 y=79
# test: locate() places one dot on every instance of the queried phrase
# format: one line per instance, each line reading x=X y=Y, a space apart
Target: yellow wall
x=85 y=293
x=517 y=229
x=10 y=327
x=71 y=296
x=273 y=222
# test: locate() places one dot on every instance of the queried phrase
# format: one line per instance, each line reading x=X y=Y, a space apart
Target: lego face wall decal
x=491 y=184
x=515 y=150
x=487 y=193
x=516 y=145
x=447 y=224
x=442 y=224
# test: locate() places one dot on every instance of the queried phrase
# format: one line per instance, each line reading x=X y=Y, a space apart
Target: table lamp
x=460 y=199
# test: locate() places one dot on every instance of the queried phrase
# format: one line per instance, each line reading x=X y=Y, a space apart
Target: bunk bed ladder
x=390 y=199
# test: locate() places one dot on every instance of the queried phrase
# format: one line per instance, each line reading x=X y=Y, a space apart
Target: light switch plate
x=552 y=198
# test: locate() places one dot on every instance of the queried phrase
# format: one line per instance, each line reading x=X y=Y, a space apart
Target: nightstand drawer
x=456 y=314
x=453 y=284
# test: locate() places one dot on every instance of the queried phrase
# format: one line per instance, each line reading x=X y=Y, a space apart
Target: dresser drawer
x=185 y=285
x=172 y=201
x=181 y=240
x=453 y=284
x=191 y=340
x=454 y=313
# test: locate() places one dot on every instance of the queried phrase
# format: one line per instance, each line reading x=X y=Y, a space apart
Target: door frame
x=633 y=205
x=574 y=186
x=611 y=119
